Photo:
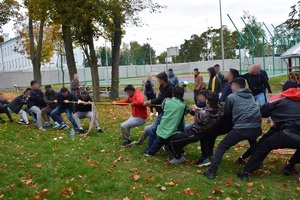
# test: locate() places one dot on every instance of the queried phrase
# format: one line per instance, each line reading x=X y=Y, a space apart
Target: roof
x=293 y=52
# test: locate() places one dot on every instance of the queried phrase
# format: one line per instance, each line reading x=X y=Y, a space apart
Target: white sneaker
x=151 y=114
x=156 y=114
x=175 y=161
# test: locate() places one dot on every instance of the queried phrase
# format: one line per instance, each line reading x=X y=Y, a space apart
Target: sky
x=183 y=18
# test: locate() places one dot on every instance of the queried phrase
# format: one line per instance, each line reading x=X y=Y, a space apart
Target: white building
x=12 y=60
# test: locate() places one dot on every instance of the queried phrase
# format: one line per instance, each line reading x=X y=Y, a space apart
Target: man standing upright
x=172 y=78
x=199 y=84
x=219 y=75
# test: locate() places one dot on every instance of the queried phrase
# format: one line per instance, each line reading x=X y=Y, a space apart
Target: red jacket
x=138 y=108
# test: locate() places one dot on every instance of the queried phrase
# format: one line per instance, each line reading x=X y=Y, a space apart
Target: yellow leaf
x=126 y=198
x=250 y=184
x=171 y=183
x=228 y=198
x=262 y=186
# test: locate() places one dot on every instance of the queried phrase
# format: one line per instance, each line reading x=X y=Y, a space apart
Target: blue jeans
x=130 y=123
x=188 y=127
x=261 y=98
x=58 y=111
x=152 y=133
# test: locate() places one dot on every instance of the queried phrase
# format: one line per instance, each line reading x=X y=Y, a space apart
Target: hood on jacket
x=244 y=93
x=212 y=72
x=292 y=93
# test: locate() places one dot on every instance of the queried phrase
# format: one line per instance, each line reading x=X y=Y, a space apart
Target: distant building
x=12 y=60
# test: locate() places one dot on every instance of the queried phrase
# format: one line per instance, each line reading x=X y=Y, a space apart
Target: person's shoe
x=63 y=126
x=80 y=131
x=21 y=121
x=244 y=176
x=126 y=143
x=137 y=143
x=151 y=114
x=156 y=114
x=240 y=161
x=147 y=155
x=35 y=123
x=145 y=151
x=289 y=169
x=26 y=123
x=56 y=125
x=46 y=124
x=202 y=162
x=42 y=129
x=11 y=120
x=210 y=174
x=67 y=127
x=99 y=130
x=176 y=161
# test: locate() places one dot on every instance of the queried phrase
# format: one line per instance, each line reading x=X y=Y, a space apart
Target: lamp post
x=149 y=39
x=207 y=40
x=222 y=37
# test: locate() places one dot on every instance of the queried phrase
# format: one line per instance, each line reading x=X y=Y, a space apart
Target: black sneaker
x=145 y=151
x=126 y=143
x=202 y=162
x=63 y=126
x=210 y=174
x=11 y=120
x=99 y=130
x=289 y=169
x=80 y=131
x=243 y=175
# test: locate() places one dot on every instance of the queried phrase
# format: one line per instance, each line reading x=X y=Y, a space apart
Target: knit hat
x=289 y=84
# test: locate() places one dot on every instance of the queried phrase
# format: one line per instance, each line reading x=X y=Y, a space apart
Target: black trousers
x=195 y=96
x=179 y=141
x=231 y=139
x=286 y=138
x=5 y=110
x=150 y=97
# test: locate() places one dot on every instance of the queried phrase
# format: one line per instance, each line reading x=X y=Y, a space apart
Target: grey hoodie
x=245 y=112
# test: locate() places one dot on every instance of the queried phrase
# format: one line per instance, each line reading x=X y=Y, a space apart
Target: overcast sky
x=182 y=18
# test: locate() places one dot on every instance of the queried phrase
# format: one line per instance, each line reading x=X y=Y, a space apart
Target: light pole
x=207 y=40
x=222 y=37
x=149 y=39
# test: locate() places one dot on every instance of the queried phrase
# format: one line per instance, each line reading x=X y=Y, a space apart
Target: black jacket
x=284 y=112
x=36 y=99
x=17 y=103
x=165 y=92
x=257 y=83
x=49 y=98
x=61 y=99
x=82 y=107
x=3 y=104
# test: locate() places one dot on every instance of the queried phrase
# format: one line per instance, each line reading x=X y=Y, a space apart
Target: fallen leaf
x=262 y=186
x=250 y=184
x=176 y=181
x=149 y=198
x=248 y=190
x=126 y=198
x=39 y=165
x=89 y=191
x=163 y=188
x=188 y=192
x=217 y=191
x=90 y=162
x=171 y=183
x=227 y=198
x=228 y=183
x=136 y=177
x=35 y=197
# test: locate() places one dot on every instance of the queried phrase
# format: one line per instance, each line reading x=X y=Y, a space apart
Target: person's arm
x=225 y=94
x=187 y=109
x=139 y=100
x=266 y=83
x=176 y=81
x=46 y=99
x=127 y=100
x=74 y=97
x=157 y=100
x=266 y=109
x=228 y=106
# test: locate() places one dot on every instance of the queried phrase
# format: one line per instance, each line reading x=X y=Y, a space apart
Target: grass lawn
x=35 y=166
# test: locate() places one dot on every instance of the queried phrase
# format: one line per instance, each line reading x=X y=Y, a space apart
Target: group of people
x=225 y=107
x=47 y=105
x=232 y=105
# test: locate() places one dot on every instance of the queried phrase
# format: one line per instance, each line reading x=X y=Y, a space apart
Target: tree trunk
x=68 y=43
x=94 y=66
x=36 y=56
x=116 y=46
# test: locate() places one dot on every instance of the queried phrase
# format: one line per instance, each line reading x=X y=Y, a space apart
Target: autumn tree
x=8 y=10
x=119 y=14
